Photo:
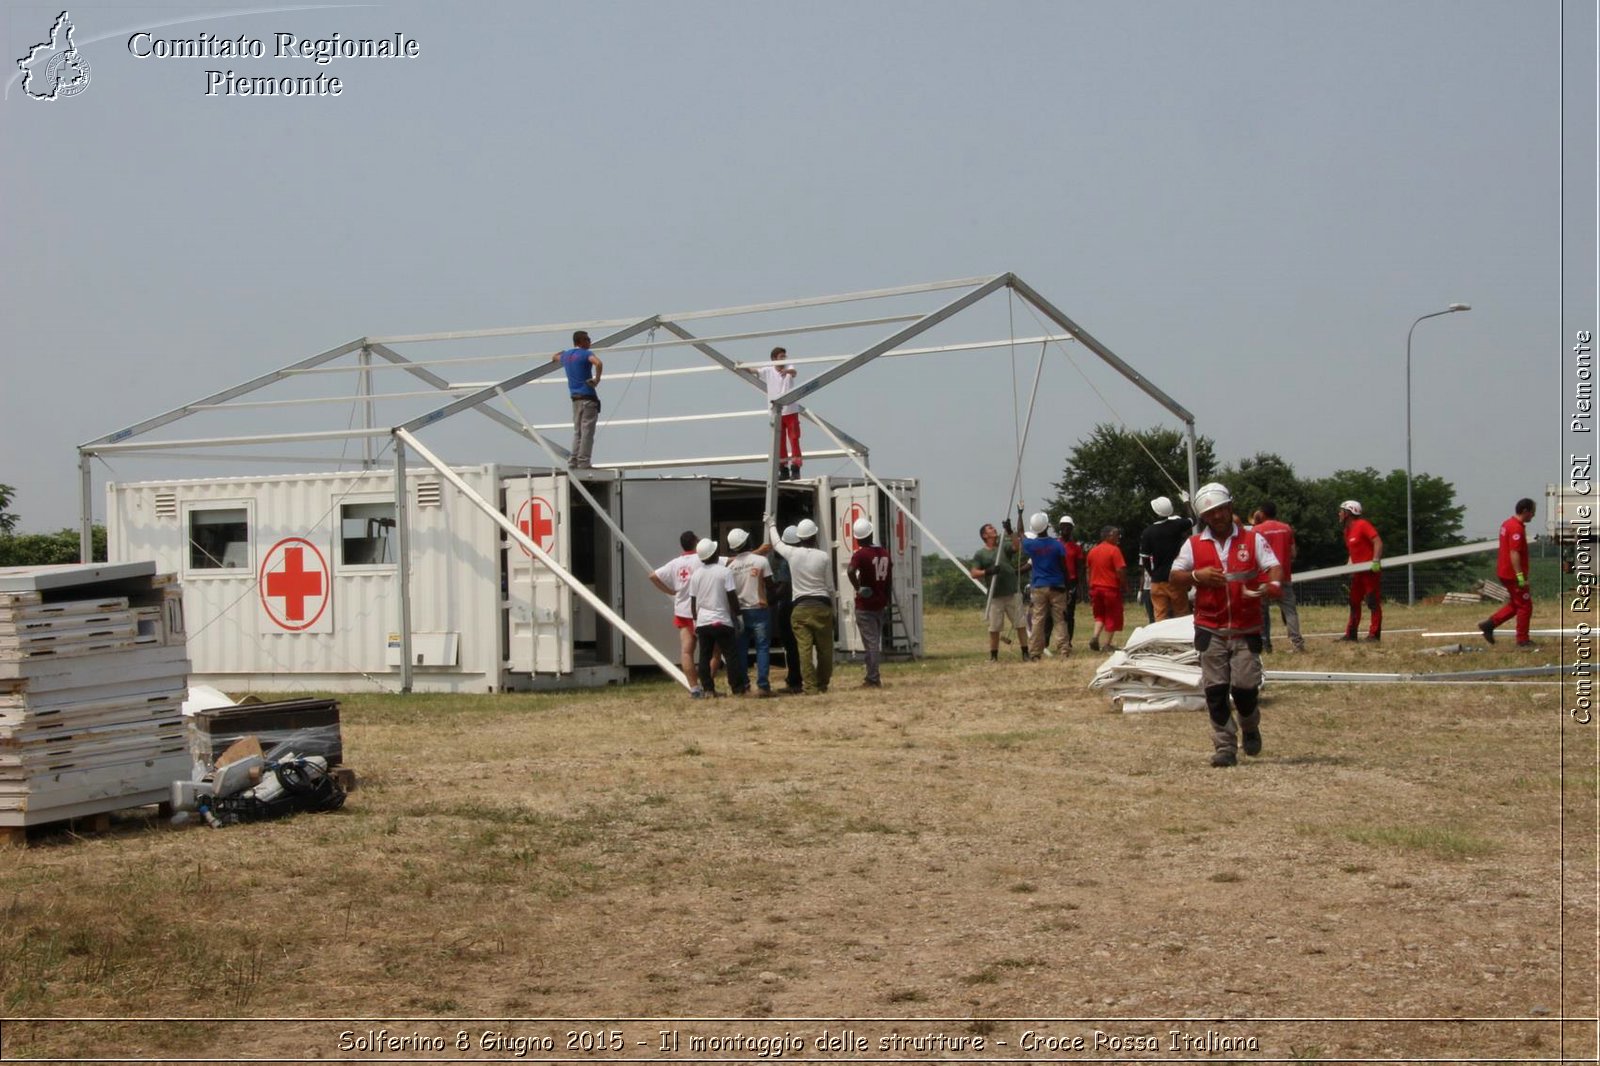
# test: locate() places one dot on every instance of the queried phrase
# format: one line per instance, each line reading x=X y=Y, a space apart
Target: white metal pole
x=402 y=525
x=602 y=608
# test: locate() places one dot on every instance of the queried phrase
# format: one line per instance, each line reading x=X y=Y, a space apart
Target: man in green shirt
x=996 y=566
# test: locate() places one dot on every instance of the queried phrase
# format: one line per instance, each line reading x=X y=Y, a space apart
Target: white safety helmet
x=862 y=529
x=737 y=539
x=1161 y=506
x=791 y=535
x=706 y=549
x=1063 y=522
x=1211 y=496
x=806 y=529
x=1038 y=523
x=1353 y=506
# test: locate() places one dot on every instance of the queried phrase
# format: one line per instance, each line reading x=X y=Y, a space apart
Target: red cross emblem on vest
x=537 y=519
x=294 y=584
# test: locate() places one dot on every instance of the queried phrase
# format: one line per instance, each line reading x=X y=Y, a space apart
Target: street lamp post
x=1411 y=574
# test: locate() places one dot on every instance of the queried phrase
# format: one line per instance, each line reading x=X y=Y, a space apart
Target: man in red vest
x=1513 y=574
x=1231 y=569
x=1280 y=535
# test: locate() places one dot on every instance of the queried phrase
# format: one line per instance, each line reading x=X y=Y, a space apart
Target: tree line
x=1112 y=474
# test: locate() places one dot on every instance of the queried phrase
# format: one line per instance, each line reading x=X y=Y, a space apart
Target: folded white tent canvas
x=1157 y=670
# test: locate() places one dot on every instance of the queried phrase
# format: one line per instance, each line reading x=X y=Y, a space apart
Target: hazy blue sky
x=1248 y=201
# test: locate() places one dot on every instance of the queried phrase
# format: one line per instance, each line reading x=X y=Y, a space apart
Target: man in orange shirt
x=1513 y=574
x=1361 y=540
x=1106 y=567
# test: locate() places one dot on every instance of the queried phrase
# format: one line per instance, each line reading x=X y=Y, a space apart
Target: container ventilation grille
x=429 y=494
x=166 y=505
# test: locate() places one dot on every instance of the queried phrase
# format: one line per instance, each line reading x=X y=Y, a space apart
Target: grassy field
x=1407 y=871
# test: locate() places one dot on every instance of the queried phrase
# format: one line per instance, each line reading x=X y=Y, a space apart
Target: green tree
x=1437 y=522
x=1112 y=475
x=1302 y=504
x=49 y=549
x=8 y=520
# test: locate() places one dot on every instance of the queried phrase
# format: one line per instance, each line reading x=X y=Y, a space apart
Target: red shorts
x=1106 y=604
x=682 y=623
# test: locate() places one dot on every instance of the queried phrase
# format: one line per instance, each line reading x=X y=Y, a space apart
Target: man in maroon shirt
x=1513 y=574
x=1280 y=535
x=871 y=571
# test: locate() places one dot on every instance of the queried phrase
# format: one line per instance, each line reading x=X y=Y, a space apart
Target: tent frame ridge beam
x=221 y=397
x=444 y=386
x=922 y=325
x=601 y=608
x=489 y=392
x=1055 y=314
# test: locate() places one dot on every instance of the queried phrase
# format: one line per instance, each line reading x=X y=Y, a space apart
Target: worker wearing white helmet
x=1158 y=546
x=715 y=602
x=1047 y=587
x=1365 y=548
x=752 y=573
x=870 y=572
x=811 y=572
x=1231 y=569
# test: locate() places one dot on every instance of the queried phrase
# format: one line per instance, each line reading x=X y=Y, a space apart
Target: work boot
x=994 y=656
x=1348 y=638
x=1252 y=742
x=1224 y=757
x=1486 y=627
x=1374 y=638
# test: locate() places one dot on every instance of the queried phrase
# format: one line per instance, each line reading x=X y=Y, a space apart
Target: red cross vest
x=1227 y=611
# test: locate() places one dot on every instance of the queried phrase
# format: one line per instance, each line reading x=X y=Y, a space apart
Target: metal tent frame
x=375 y=353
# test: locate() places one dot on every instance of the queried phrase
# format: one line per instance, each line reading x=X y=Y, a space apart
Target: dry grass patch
x=975 y=841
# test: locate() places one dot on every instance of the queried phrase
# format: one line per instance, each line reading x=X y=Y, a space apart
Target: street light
x=1411 y=575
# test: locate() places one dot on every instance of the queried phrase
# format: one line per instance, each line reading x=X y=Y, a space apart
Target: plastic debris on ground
x=1156 y=670
x=248 y=784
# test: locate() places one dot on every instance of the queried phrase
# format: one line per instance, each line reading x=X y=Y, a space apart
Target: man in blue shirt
x=577 y=361
x=1048 y=559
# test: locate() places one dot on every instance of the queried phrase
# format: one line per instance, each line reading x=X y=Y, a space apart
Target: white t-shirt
x=749 y=570
x=709 y=587
x=810 y=569
x=779 y=383
x=675 y=575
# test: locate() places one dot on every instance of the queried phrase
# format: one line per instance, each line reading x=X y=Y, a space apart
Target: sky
x=1249 y=202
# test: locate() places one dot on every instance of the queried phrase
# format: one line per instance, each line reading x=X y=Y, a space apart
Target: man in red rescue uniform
x=1361 y=540
x=1231 y=569
x=1513 y=574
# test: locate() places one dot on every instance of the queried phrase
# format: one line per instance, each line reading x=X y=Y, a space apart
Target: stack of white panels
x=93 y=674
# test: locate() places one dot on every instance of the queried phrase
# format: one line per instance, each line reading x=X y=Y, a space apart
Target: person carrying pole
x=810 y=571
x=997 y=563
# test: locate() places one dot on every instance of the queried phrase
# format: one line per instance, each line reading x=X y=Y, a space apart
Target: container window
x=366 y=534
x=219 y=539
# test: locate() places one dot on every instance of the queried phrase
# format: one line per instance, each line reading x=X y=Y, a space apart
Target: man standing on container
x=583 y=369
x=1158 y=546
x=779 y=379
x=870 y=572
x=1230 y=568
x=673 y=579
x=1361 y=540
x=751 y=572
x=810 y=571
x=996 y=564
x=1512 y=571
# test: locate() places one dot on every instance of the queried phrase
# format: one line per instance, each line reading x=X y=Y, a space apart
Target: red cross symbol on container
x=849 y=537
x=537 y=519
x=900 y=532
x=294 y=584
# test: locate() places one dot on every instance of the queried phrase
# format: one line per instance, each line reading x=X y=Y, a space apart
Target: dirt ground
x=979 y=861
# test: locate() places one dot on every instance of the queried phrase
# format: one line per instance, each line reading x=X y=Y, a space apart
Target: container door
x=538 y=603
x=850 y=502
x=903 y=630
x=655 y=512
